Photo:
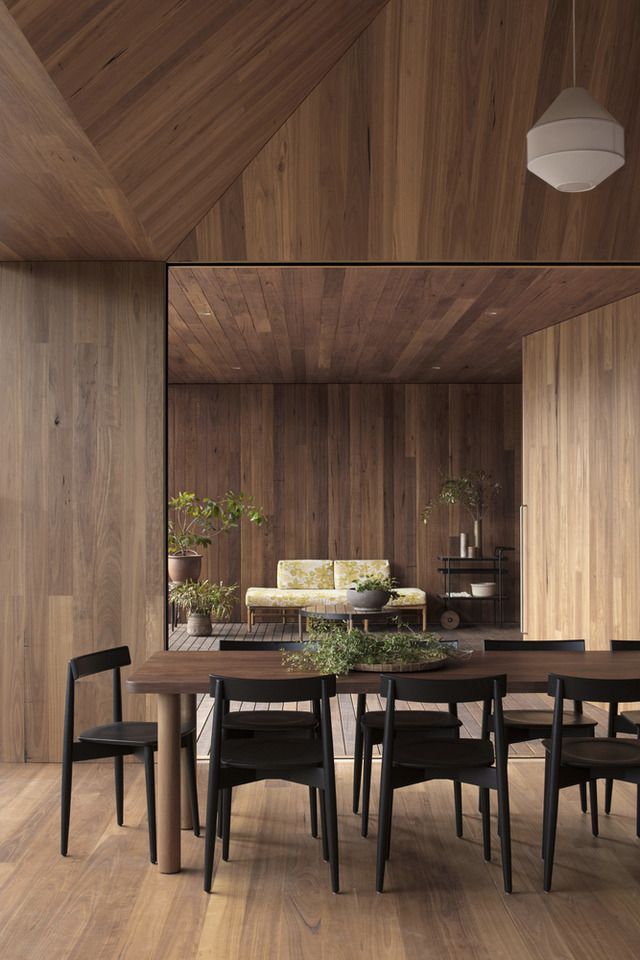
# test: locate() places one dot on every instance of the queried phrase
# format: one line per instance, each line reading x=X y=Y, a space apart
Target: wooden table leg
x=168 y=804
x=187 y=715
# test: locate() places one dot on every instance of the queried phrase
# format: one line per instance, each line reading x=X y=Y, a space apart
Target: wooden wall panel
x=581 y=476
x=82 y=354
x=343 y=470
x=413 y=147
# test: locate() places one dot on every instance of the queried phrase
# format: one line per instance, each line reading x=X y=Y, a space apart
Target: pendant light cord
x=574 y=42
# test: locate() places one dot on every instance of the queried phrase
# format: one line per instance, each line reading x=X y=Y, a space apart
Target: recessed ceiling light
x=236 y=368
x=435 y=368
x=205 y=313
x=492 y=313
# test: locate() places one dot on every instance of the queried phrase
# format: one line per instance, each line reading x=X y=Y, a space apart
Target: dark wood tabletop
x=180 y=672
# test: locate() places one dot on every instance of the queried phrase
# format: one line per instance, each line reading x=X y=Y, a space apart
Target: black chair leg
x=211 y=823
x=118 y=772
x=486 y=823
x=638 y=811
x=149 y=775
x=313 y=812
x=583 y=797
x=332 y=829
x=193 y=785
x=366 y=783
x=384 y=831
x=357 y=752
x=504 y=821
x=608 y=795
x=226 y=822
x=457 y=799
x=65 y=804
x=323 y=827
x=593 y=803
x=551 y=823
x=388 y=853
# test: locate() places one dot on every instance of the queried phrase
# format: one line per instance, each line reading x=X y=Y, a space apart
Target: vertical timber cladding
x=581 y=476
x=343 y=470
x=82 y=486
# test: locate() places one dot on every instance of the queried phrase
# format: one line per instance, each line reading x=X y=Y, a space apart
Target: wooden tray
x=417 y=667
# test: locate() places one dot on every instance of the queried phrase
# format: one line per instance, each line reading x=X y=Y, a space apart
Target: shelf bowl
x=484 y=589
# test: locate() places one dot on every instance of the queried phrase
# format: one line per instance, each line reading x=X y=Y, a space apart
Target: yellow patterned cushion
x=409 y=595
x=346 y=571
x=305 y=574
x=272 y=597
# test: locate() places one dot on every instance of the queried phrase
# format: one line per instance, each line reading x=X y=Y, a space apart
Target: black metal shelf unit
x=494 y=566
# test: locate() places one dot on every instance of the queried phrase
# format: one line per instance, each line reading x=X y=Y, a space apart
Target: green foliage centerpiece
x=334 y=648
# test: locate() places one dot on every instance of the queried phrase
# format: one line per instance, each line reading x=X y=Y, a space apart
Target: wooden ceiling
x=371 y=323
x=306 y=130
x=174 y=98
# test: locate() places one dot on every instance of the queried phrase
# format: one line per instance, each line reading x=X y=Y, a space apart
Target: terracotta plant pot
x=368 y=601
x=199 y=625
x=184 y=567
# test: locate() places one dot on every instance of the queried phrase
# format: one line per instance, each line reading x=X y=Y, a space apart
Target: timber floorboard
x=344 y=709
x=273 y=900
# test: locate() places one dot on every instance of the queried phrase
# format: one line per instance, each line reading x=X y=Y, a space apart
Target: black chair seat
x=278 y=754
x=269 y=720
x=129 y=733
x=598 y=752
x=412 y=719
x=544 y=718
x=632 y=717
x=445 y=753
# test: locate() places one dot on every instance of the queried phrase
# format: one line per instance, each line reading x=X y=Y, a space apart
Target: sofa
x=303 y=582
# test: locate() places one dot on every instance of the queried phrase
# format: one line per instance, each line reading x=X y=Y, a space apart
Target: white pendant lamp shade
x=576 y=143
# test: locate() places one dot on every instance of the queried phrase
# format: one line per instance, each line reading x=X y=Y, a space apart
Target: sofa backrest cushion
x=346 y=571
x=305 y=574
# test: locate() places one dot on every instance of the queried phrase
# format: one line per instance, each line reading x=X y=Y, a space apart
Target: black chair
x=237 y=761
x=521 y=726
x=575 y=760
x=117 y=739
x=409 y=723
x=626 y=722
x=260 y=723
x=460 y=760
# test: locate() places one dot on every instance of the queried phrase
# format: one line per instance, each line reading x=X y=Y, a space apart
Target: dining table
x=175 y=677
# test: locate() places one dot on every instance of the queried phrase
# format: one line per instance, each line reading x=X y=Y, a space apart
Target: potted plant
x=202 y=600
x=370 y=594
x=475 y=491
x=194 y=521
x=333 y=648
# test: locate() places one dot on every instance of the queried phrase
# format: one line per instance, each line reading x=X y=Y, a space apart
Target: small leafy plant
x=200 y=596
x=333 y=648
x=474 y=490
x=194 y=521
x=388 y=584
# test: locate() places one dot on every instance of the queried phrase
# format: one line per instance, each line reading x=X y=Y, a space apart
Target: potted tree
x=474 y=490
x=194 y=521
x=202 y=601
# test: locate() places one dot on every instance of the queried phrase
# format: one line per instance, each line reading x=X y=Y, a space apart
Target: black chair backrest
x=630 y=645
x=533 y=646
x=99 y=661
x=272 y=691
x=424 y=690
x=258 y=645
x=590 y=688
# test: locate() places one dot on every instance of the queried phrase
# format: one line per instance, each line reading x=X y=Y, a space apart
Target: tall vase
x=477 y=536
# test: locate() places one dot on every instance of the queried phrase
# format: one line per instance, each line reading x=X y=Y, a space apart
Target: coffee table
x=346 y=613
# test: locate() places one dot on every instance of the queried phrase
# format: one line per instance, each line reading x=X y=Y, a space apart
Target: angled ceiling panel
x=59 y=201
x=177 y=97
x=413 y=147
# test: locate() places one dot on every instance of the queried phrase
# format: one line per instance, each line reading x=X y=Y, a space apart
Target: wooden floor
x=344 y=712
x=272 y=900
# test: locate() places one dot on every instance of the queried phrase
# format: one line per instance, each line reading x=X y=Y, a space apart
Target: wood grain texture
x=371 y=323
x=59 y=200
x=343 y=471
x=83 y=566
x=581 y=476
x=273 y=895
x=178 y=97
x=413 y=146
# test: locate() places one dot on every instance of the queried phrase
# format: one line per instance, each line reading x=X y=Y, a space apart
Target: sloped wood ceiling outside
x=59 y=201
x=413 y=146
x=177 y=97
x=371 y=323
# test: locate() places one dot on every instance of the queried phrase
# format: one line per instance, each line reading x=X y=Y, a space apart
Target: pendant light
x=576 y=143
